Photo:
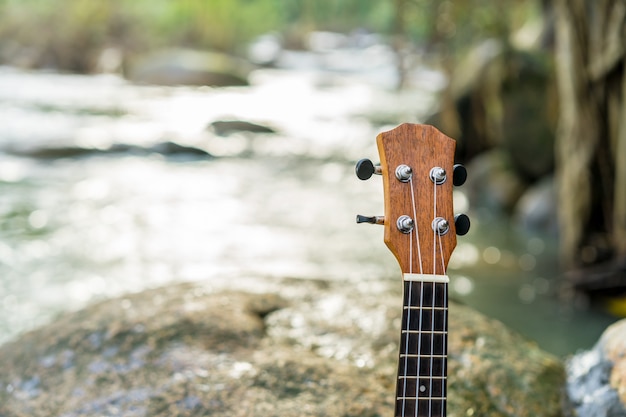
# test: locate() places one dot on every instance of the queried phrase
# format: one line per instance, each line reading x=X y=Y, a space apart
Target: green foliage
x=217 y=24
x=457 y=24
x=70 y=34
x=340 y=15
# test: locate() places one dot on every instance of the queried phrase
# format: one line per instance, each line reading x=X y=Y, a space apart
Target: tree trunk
x=591 y=137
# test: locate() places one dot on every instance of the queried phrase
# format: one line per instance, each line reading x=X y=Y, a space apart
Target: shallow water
x=81 y=228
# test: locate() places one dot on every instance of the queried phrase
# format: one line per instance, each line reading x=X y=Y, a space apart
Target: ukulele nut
x=440 y=226
x=405 y=224
x=438 y=175
x=404 y=173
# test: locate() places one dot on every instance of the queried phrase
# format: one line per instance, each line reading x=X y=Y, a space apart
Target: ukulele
x=418 y=172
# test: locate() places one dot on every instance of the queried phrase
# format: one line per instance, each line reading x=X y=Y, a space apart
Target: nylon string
x=408 y=320
x=417 y=235
x=432 y=326
x=421 y=268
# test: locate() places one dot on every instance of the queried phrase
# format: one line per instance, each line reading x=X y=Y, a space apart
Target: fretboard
x=422 y=366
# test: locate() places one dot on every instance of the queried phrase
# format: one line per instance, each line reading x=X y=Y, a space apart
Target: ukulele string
x=417 y=235
x=432 y=323
x=419 y=350
x=408 y=321
x=444 y=357
x=434 y=228
x=419 y=336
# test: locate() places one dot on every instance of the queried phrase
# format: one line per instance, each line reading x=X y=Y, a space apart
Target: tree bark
x=619 y=210
x=591 y=137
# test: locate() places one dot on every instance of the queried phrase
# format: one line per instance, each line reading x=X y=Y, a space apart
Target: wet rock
x=189 y=67
x=493 y=183
x=170 y=148
x=529 y=104
x=536 y=210
x=329 y=350
x=596 y=379
x=167 y=148
x=228 y=127
x=503 y=97
x=265 y=49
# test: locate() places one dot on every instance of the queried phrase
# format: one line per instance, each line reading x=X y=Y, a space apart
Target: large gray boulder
x=317 y=349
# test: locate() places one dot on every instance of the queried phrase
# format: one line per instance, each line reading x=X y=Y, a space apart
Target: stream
x=96 y=201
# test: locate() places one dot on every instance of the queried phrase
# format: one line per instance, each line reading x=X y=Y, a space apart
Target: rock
x=265 y=49
x=227 y=127
x=329 y=350
x=468 y=103
x=503 y=97
x=536 y=210
x=492 y=371
x=596 y=379
x=496 y=372
x=190 y=67
x=614 y=340
x=174 y=149
x=529 y=103
x=166 y=148
x=492 y=182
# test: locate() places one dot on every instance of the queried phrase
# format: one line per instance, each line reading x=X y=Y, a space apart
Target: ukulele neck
x=421 y=383
x=418 y=173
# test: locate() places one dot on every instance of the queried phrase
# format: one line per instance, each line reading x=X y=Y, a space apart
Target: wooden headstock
x=417 y=166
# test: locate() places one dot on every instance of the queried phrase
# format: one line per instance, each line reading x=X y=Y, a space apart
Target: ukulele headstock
x=418 y=171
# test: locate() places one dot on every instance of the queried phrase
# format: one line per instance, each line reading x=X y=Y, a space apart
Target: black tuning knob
x=462 y=224
x=365 y=169
x=370 y=219
x=459 y=175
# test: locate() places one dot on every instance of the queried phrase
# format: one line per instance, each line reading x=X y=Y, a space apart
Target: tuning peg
x=459 y=175
x=365 y=169
x=462 y=224
x=370 y=219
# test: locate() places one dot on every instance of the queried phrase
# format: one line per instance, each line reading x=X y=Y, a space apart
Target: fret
x=422 y=398
x=424 y=331
x=426 y=343
x=425 y=294
x=425 y=407
x=424 y=320
x=420 y=355
x=421 y=387
x=424 y=366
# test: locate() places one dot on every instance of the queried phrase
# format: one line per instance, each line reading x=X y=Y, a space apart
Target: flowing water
x=80 y=222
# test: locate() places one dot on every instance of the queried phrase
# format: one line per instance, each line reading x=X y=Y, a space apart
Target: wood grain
x=421 y=147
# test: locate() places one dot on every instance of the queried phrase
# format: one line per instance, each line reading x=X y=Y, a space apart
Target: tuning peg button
x=365 y=169
x=370 y=219
x=459 y=175
x=462 y=224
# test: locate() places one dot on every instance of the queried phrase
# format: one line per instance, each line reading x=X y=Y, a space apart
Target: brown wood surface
x=421 y=147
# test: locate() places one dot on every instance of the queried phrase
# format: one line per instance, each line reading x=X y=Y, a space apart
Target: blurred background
x=144 y=143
